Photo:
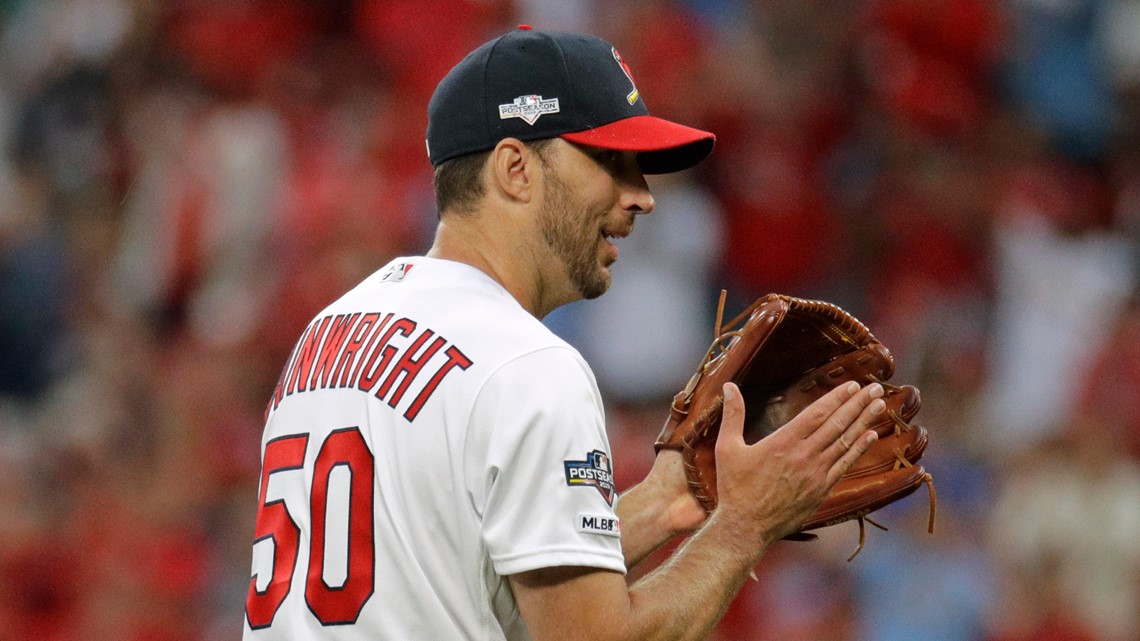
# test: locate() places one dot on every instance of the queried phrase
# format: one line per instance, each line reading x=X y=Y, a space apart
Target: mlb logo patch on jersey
x=606 y=525
x=595 y=471
x=396 y=273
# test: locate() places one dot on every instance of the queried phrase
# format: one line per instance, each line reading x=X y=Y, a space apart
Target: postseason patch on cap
x=529 y=108
x=595 y=471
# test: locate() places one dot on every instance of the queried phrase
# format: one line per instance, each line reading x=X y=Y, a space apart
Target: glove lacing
x=719 y=347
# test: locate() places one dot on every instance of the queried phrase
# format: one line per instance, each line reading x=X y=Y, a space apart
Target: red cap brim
x=663 y=146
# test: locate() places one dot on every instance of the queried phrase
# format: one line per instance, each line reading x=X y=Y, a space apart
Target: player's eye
x=608 y=158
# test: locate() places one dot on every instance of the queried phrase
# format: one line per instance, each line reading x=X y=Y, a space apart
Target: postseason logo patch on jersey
x=595 y=471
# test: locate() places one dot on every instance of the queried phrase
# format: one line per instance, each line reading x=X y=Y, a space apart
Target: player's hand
x=683 y=512
x=777 y=483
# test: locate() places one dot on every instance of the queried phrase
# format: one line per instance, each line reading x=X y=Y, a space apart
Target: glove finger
x=902 y=405
x=885 y=454
x=852 y=498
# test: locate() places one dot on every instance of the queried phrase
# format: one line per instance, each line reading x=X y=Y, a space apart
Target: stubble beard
x=573 y=236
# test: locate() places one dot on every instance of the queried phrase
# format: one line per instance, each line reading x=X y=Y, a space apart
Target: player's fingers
x=732 y=416
x=813 y=416
x=833 y=430
x=858 y=448
x=867 y=419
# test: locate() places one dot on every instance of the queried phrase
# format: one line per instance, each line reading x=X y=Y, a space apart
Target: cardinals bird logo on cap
x=632 y=96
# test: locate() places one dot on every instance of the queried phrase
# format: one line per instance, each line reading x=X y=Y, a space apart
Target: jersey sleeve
x=545 y=485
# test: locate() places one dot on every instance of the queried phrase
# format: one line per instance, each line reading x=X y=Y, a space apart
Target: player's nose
x=635 y=194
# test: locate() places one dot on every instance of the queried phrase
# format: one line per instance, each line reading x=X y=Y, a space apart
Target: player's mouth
x=617 y=230
x=609 y=234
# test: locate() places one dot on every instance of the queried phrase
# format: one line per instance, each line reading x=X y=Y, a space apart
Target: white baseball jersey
x=427 y=437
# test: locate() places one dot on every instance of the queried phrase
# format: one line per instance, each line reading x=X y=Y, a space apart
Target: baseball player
x=435 y=461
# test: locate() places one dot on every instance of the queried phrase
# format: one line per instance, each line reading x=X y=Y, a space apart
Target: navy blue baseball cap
x=531 y=84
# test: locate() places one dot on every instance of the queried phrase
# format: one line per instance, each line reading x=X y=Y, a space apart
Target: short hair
x=459 y=181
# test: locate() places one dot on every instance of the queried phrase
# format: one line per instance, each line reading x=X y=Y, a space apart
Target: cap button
x=526 y=27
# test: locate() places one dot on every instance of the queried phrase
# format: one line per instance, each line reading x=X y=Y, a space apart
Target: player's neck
x=504 y=257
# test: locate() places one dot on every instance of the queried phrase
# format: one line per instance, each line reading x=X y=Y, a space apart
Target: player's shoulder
x=455 y=300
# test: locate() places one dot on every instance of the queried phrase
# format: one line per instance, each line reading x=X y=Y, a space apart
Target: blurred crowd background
x=184 y=183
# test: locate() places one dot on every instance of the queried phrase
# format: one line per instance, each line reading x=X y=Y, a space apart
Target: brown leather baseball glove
x=784 y=353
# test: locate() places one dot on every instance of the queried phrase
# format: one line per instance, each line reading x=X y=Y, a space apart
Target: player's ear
x=514 y=169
